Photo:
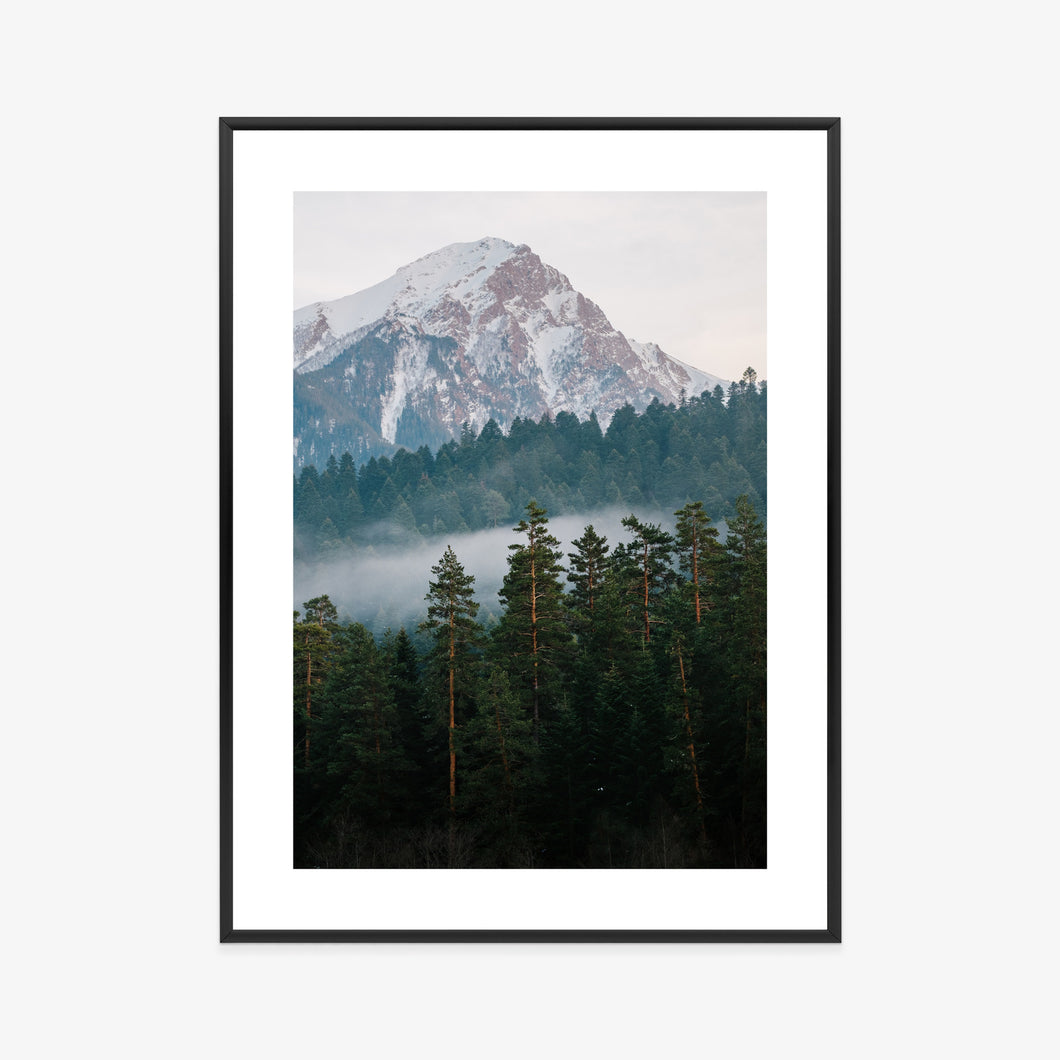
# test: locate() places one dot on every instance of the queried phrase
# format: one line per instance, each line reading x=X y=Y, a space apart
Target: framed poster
x=523 y=530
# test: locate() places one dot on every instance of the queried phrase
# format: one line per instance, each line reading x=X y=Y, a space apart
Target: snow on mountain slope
x=671 y=369
x=456 y=273
x=468 y=332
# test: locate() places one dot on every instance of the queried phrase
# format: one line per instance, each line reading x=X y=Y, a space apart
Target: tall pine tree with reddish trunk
x=696 y=544
x=678 y=652
x=646 y=565
x=533 y=636
x=454 y=658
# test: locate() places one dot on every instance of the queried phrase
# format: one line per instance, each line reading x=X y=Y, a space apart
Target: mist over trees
x=605 y=709
x=710 y=448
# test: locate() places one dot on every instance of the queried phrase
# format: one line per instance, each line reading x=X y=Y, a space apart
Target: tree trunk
x=647 y=589
x=695 y=570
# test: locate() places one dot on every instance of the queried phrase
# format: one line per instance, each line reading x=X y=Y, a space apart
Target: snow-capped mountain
x=469 y=332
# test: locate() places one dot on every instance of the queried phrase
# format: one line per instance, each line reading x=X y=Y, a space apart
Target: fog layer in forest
x=383 y=585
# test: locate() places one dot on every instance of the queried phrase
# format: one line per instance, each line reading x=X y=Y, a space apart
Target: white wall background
x=109 y=250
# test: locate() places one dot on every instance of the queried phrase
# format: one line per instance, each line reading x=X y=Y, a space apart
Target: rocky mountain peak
x=469 y=332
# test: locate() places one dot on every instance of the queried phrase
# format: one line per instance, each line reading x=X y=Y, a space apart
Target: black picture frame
x=830 y=932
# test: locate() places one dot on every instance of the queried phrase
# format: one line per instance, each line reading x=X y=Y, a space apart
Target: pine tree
x=314 y=653
x=494 y=506
x=402 y=519
x=309 y=507
x=453 y=661
x=592 y=438
x=328 y=538
x=589 y=565
x=646 y=564
x=347 y=474
x=313 y=650
x=351 y=512
x=387 y=500
x=370 y=479
x=696 y=546
x=533 y=633
x=329 y=480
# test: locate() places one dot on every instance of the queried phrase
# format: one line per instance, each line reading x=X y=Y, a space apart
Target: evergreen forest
x=612 y=716
x=710 y=448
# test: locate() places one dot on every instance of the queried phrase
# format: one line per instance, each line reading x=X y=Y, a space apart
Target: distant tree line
x=614 y=716
x=711 y=447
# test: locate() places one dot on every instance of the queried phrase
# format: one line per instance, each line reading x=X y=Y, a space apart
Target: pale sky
x=686 y=270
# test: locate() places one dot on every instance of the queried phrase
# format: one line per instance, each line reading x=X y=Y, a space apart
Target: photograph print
x=530 y=512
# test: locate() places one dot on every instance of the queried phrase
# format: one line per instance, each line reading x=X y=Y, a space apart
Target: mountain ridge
x=469 y=332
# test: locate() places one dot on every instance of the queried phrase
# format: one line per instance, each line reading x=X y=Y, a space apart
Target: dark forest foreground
x=614 y=716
